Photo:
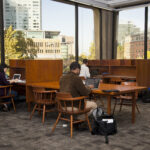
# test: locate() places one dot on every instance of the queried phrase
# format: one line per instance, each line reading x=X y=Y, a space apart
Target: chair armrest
x=73 y=98
x=44 y=92
x=6 y=86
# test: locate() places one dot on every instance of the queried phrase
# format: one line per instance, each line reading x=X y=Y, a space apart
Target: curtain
x=105 y=23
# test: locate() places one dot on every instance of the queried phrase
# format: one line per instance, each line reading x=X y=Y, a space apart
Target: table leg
x=109 y=104
x=133 y=107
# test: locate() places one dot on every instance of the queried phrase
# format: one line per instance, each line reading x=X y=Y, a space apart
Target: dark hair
x=74 y=65
x=2 y=66
x=1 y=69
x=5 y=66
x=85 y=61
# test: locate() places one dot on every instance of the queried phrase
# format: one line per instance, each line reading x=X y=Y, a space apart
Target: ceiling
x=113 y=4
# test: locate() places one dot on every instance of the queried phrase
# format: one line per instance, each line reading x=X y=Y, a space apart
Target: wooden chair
x=6 y=96
x=126 y=99
x=71 y=106
x=43 y=98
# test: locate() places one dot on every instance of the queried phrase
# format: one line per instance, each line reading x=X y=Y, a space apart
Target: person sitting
x=72 y=83
x=84 y=69
x=4 y=81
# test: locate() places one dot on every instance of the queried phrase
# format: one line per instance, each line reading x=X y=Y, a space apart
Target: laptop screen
x=92 y=81
x=17 y=76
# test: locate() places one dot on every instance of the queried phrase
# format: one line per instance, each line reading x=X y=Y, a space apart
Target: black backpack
x=104 y=124
x=146 y=96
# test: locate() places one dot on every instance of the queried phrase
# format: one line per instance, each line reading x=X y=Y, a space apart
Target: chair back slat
x=68 y=104
x=131 y=84
x=80 y=105
x=41 y=95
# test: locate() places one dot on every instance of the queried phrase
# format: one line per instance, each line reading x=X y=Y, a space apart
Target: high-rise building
x=22 y=14
x=125 y=29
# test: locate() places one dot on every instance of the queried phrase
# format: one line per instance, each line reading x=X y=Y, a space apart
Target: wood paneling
x=17 y=67
x=36 y=71
x=138 y=68
x=43 y=70
x=143 y=72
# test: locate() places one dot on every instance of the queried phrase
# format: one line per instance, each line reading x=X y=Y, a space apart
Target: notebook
x=93 y=81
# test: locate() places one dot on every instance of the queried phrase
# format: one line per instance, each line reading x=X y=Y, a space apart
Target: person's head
x=75 y=67
x=85 y=61
x=3 y=68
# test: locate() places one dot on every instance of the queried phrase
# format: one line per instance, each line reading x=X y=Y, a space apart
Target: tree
x=81 y=57
x=16 y=46
x=10 y=44
x=92 y=51
x=120 y=51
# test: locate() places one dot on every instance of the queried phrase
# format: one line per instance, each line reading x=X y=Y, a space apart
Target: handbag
x=104 y=124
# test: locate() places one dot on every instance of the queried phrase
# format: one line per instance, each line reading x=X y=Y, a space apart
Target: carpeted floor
x=17 y=132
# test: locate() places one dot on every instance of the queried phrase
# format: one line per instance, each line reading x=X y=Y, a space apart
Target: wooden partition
x=143 y=73
x=17 y=67
x=138 y=69
x=36 y=71
x=41 y=71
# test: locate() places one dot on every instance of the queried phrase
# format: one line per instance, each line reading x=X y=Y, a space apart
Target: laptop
x=93 y=81
x=17 y=76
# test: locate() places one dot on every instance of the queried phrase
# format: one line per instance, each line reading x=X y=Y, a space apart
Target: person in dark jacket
x=4 y=81
x=72 y=83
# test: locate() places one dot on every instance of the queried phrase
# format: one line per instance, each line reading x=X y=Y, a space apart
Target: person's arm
x=3 y=80
x=80 y=87
x=87 y=72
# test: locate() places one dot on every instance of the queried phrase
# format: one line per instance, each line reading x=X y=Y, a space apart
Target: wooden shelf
x=124 y=67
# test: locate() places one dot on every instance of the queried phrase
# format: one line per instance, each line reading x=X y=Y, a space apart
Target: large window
x=61 y=27
x=42 y=29
x=131 y=34
x=45 y=29
x=86 y=34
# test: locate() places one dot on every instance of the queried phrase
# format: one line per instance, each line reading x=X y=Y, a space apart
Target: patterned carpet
x=17 y=132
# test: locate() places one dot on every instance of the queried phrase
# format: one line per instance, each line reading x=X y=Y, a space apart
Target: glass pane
x=86 y=34
x=62 y=25
x=39 y=29
x=131 y=34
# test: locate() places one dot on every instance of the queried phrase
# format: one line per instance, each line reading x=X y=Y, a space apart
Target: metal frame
x=145 y=32
x=2 y=33
x=76 y=33
x=101 y=43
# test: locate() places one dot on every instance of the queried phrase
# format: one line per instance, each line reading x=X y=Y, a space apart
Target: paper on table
x=108 y=120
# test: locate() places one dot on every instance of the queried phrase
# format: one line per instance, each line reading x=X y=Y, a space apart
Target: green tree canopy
x=92 y=51
x=16 y=46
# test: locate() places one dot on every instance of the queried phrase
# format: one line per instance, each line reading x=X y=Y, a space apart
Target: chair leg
x=56 y=123
x=33 y=111
x=43 y=119
x=39 y=107
x=114 y=106
x=137 y=108
x=71 y=125
x=89 y=125
x=102 y=102
x=12 y=100
x=121 y=105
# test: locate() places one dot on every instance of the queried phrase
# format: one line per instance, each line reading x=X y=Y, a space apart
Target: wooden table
x=118 y=78
x=51 y=85
x=123 y=89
